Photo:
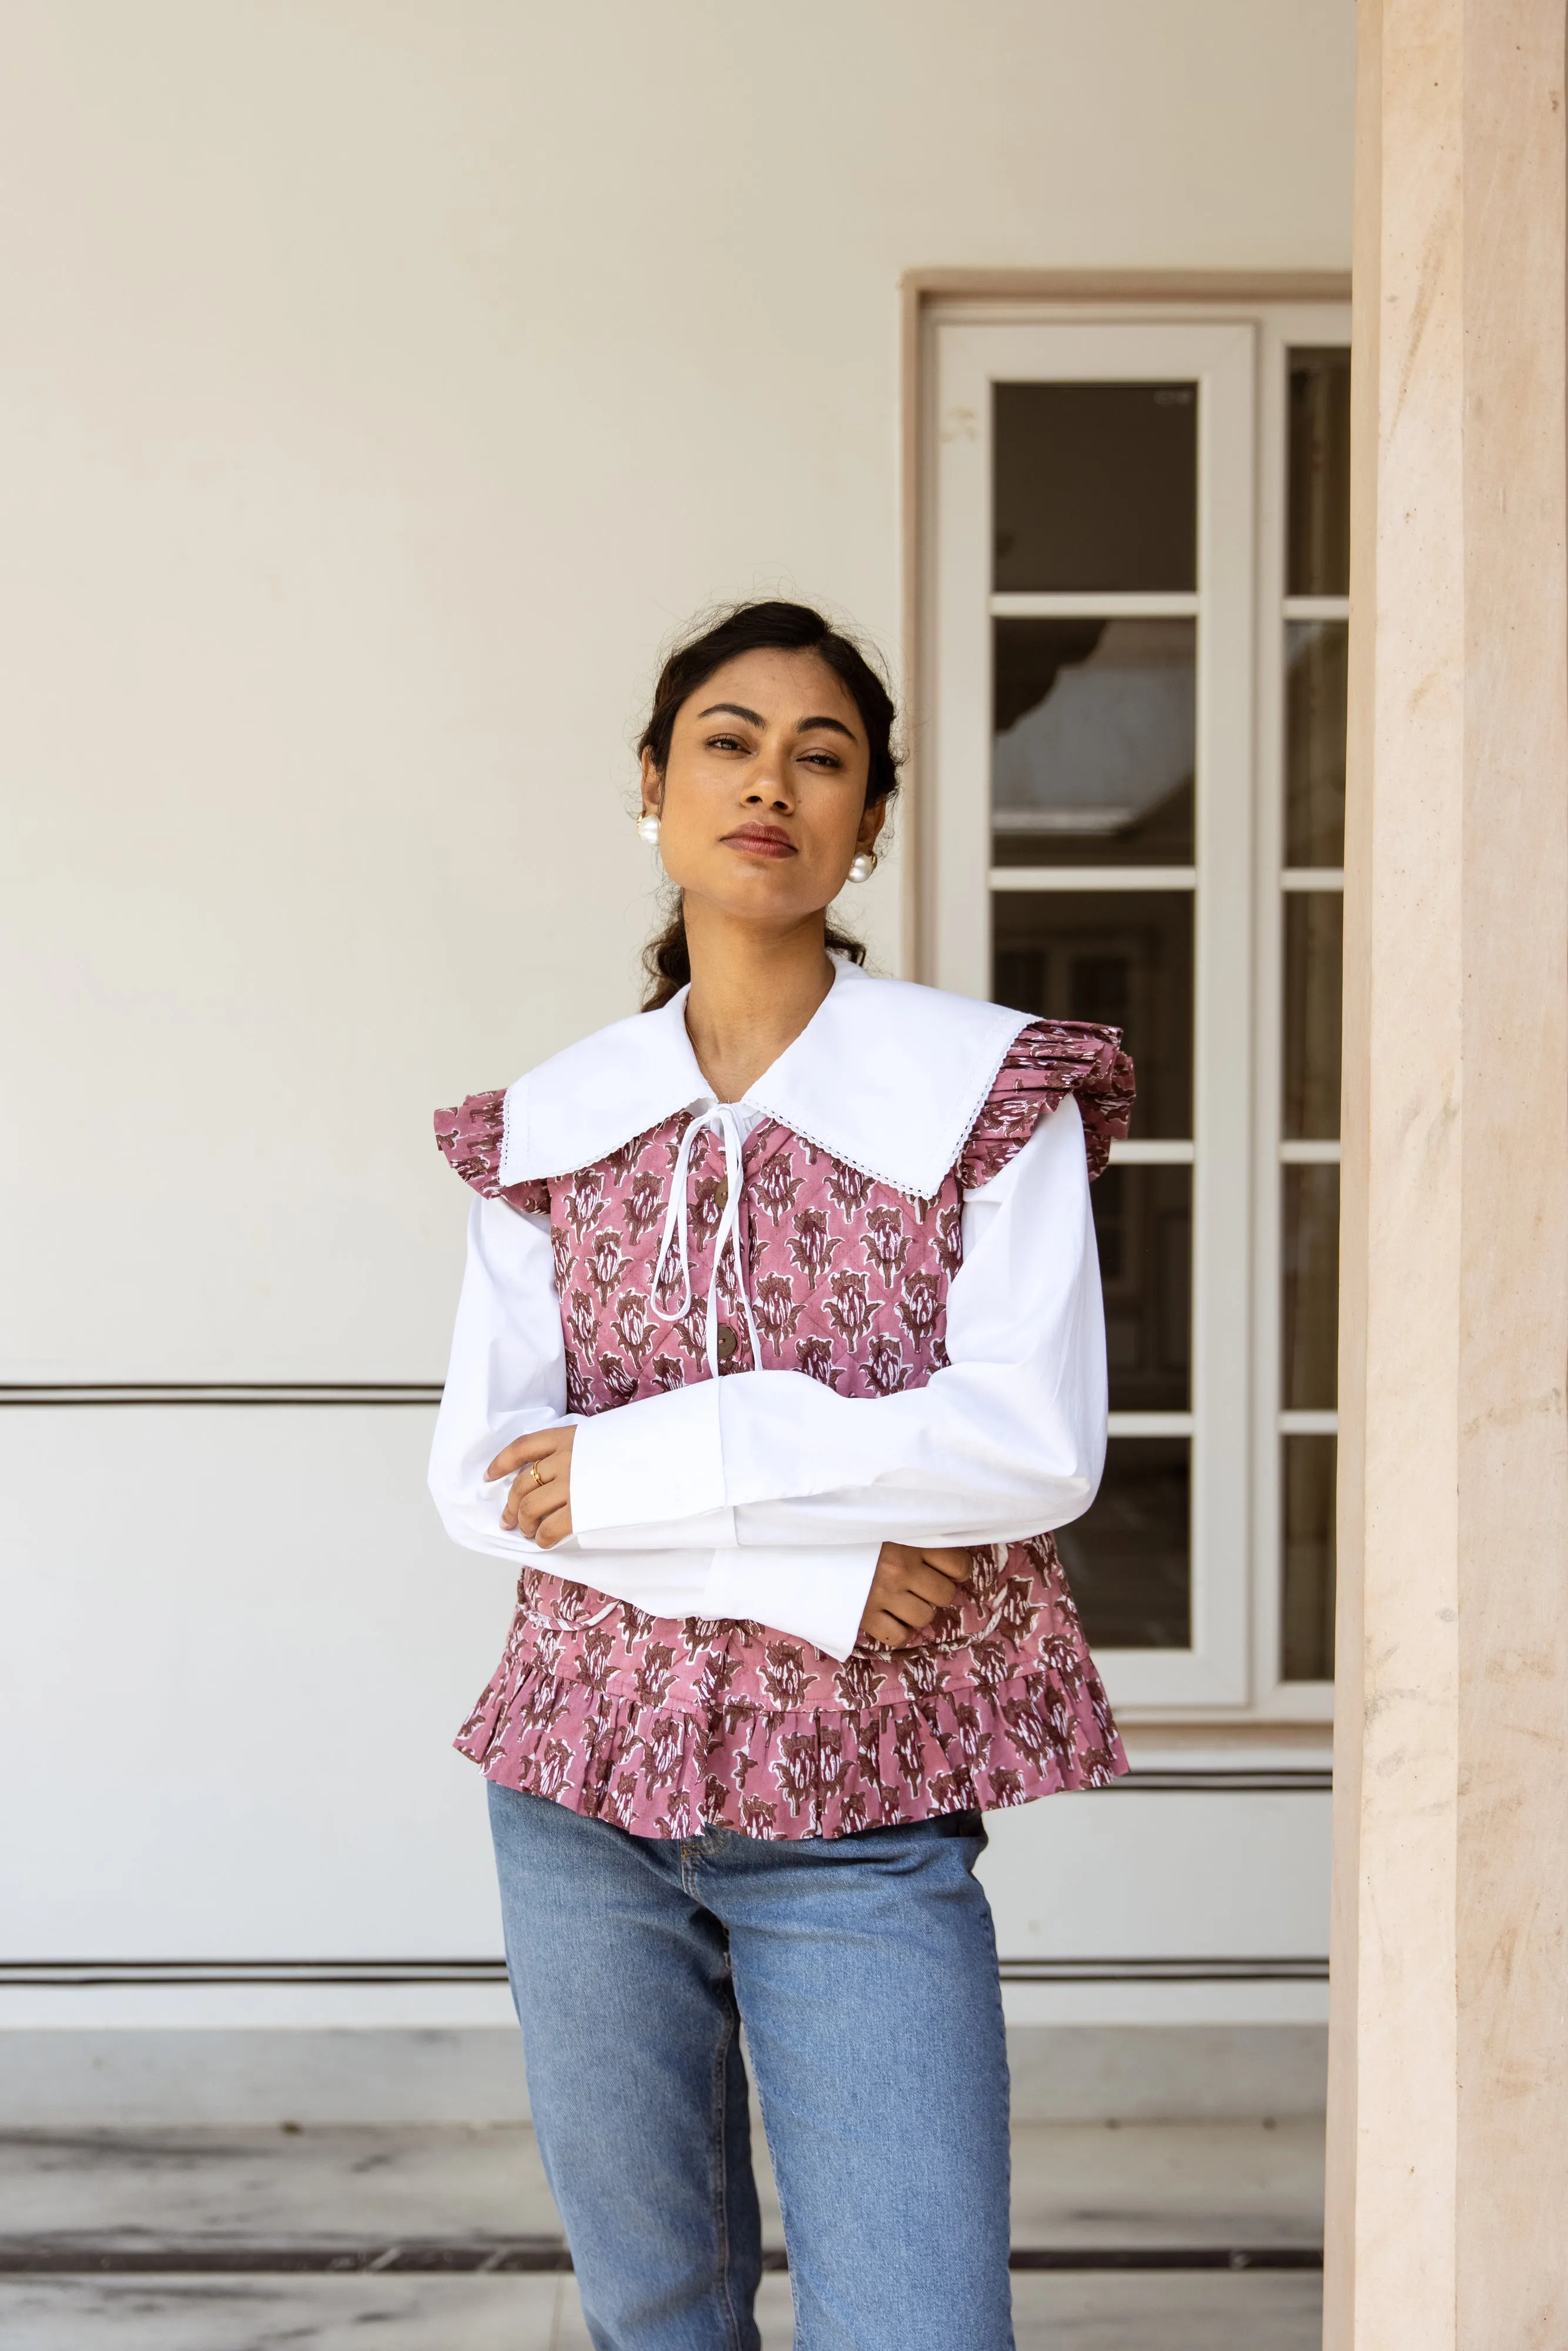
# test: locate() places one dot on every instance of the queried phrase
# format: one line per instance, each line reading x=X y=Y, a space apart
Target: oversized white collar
x=886 y=1075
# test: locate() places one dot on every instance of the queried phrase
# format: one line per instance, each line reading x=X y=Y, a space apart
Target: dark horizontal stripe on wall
x=89 y=1974
x=1166 y=2257
x=1182 y=1971
x=1307 y=1781
x=81 y=1974
x=222 y=1392
x=226 y=2256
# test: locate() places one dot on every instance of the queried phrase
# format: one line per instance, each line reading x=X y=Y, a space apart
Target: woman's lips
x=760 y=843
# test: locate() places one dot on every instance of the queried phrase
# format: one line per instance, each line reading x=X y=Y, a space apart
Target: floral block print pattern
x=668 y=1727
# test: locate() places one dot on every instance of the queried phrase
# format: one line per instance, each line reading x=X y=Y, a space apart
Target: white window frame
x=1236 y=353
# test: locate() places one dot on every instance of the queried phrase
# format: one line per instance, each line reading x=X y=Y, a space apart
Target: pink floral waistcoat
x=667 y=1727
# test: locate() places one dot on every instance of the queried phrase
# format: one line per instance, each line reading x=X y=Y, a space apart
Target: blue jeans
x=864 y=1970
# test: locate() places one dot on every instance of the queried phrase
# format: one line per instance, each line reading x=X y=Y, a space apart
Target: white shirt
x=764 y=1494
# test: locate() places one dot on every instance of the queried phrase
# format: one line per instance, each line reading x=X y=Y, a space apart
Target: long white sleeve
x=1008 y=1441
x=507 y=1377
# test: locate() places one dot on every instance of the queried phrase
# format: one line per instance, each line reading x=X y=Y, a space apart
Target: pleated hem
x=816 y=1773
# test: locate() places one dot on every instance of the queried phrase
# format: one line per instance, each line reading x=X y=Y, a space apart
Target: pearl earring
x=862 y=867
x=648 y=828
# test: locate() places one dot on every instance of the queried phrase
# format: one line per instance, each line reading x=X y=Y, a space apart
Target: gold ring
x=533 y=1473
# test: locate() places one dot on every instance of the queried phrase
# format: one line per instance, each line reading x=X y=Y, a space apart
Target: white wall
x=380 y=380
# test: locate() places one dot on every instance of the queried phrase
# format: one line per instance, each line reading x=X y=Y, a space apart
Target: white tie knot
x=718 y=1119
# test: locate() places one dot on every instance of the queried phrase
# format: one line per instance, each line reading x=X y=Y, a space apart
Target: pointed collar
x=887 y=1076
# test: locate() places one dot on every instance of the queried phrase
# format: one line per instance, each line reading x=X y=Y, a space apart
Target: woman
x=779 y=1349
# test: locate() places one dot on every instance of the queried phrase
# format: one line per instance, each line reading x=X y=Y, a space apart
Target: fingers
x=909 y=1590
x=898 y=1619
x=876 y=1625
x=931 y=1584
x=898 y=1560
x=537 y=1445
x=533 y=1499
x=540 y=1466
x=892 y=1615
x=542 y=1513
x=910 y=1610
x=542 y=1485
x=911 y=1586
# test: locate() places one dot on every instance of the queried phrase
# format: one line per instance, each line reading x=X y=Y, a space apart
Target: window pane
x=1091 y=757
x=1307 y=1478
x=1123 y=956
x=1311 y=1269
x=1143 y=1220
x=1316 y=654
x=1096 y=485
x=1314 y=928
x=1129 y=1561
x=1319 y=559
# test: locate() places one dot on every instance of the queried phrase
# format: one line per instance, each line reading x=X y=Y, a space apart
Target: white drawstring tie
x=719 y=1120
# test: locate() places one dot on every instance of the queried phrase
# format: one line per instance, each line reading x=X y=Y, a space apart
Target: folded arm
x=1008 y=1441
x=507 y=1379
x=765 y=1494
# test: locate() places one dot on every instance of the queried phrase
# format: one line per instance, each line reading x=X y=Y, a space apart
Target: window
x=1136 y=622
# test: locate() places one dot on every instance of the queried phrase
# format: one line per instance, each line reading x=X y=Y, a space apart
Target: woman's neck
x=752 y=993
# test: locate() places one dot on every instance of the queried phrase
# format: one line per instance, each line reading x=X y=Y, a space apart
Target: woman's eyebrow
x=754 y=718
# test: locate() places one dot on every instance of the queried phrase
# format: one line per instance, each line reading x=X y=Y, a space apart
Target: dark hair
x=765 y=626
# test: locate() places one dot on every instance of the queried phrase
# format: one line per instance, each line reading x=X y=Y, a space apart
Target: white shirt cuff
x=657 y=1459
x=816 y=1593
x=713 y=1531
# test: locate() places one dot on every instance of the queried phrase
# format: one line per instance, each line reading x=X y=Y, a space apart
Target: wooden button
x=728 y=1344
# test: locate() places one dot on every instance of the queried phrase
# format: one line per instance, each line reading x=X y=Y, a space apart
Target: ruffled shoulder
x=1046 y=1062
x=469 y=1139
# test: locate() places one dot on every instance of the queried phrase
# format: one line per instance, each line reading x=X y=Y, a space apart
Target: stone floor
x=1076 y=2185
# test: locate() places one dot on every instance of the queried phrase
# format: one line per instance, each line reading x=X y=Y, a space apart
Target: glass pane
x=1314 y=931
x=1128 y=1562
x=1123 y=956
x=1096 y=485
x=1143 y=1220
x=1307 y=1478
x=1091 y=757
x=1310 y=1302
x=1316 y=655
x=1319 y=559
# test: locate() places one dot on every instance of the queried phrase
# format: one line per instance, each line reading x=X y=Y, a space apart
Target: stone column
x=1447 y=2225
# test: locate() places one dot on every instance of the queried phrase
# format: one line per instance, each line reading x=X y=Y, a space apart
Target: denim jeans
x=864 y=1971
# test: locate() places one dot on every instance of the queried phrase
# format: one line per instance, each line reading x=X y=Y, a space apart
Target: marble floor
x=1075 y=2185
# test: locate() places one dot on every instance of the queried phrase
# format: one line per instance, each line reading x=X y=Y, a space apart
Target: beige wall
x=381 y=382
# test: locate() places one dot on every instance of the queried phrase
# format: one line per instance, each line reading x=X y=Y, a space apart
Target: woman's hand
x=539 y=1504
x=909 y=1586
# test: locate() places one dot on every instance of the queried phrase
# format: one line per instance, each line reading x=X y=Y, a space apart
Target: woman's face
x=762 y=803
